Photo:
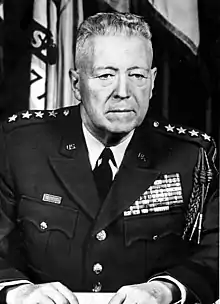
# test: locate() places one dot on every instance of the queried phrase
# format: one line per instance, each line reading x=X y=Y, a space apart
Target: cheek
x=141 y=91
x=142 y=97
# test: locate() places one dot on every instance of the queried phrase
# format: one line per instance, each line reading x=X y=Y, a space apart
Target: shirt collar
x=95 y=148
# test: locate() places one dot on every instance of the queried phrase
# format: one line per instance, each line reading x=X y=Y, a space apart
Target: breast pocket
x=46 y=228
x=153 y=226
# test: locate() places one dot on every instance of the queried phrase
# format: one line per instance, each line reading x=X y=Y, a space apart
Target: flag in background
x=181 y=18
x=52 y=56
x=54 y=28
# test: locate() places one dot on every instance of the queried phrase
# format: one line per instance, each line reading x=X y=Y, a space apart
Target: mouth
x=120 y=111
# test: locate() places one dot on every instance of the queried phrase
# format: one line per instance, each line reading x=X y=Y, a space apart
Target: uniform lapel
x=73 y=169
x=135 y=175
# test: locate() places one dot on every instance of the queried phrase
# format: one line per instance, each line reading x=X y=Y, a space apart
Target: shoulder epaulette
x=183 y=133
x=29 y=117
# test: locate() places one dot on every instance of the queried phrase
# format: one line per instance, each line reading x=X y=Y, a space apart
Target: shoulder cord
x=201 y=180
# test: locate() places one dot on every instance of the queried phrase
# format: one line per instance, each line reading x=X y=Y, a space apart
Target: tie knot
x=107 y=155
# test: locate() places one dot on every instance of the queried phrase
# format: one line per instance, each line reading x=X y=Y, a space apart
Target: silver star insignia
x=206 y=137
x=194 y=133
x=66 y=112
x=52 y=113
x=170 y=128
x=39 y=114
x=181 y=130
x=12 y=118
x=26 y=115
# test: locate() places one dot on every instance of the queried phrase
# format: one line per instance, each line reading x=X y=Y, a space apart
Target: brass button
x=156 y=124
x=155 y=237
x=97 y=268
x=97 y=287
x=43 y=226
x=101 y=236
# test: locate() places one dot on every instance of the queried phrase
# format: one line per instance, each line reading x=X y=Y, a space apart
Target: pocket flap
x=47 y=216
x=153 y=225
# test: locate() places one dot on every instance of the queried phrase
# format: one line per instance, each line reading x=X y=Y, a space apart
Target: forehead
x=120 y=51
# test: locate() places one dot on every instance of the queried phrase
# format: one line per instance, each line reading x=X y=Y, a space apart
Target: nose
x=122 y=89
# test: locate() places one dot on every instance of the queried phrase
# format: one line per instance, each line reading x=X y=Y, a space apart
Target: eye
x=106 y=76
x=137 y=76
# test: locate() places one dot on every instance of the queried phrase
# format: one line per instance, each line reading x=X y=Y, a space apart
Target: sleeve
x=181 y=288
x=12 y=266
x=199 y=272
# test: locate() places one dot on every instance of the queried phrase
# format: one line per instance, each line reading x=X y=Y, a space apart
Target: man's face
x=116 y=84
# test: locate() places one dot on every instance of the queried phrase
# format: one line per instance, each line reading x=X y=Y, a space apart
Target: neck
x=108 y=138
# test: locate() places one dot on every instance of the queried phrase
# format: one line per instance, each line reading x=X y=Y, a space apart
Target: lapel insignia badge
x=70 y=147
x=142 y=157
x=164 y=194
x=50 y=198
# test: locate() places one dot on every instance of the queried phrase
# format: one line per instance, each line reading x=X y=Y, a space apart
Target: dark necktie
x=103 y=173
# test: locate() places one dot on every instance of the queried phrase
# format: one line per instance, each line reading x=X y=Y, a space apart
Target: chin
x=122 y=128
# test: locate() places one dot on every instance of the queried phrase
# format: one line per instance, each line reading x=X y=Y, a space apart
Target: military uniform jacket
x=54 y=228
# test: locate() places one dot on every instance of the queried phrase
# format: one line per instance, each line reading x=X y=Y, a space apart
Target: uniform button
x=97 y=268
x=155 y=237
x=101 y=236
x=97 y=287
x=43 y=225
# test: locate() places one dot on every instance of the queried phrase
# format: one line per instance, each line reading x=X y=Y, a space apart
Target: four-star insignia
x=206 y=136
x=12 y=118
x=194 y=133
x=181 y=130
x=66 y=112
x=52 y=113
x=170 y=128
x=26 y=115
x=39 y=114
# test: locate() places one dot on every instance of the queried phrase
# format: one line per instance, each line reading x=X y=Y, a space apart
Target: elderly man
x=96 y=197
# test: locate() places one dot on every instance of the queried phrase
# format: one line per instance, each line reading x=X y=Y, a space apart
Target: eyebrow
x=138 y=68
x=104 y=68
x=115 y=69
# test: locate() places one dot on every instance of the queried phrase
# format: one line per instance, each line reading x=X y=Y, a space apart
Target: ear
x=74 y=78
x=153 y=76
